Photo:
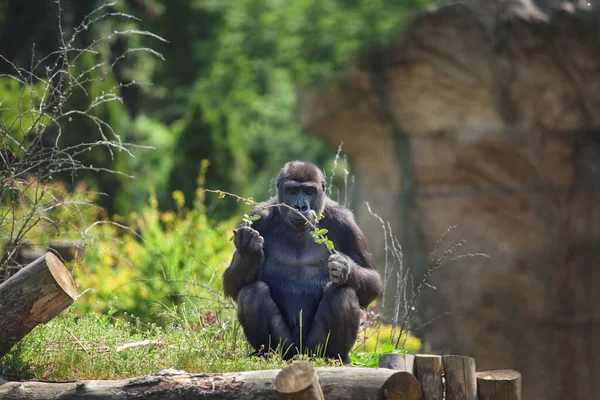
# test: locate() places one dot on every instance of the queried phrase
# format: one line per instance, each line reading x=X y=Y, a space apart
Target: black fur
x=278 y=272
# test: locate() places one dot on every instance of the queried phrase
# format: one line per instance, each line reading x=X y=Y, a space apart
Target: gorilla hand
x=248 y=241
x=340 y=268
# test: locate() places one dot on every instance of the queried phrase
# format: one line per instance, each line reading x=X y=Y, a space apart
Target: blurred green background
x=216 y=102
x=225 y=91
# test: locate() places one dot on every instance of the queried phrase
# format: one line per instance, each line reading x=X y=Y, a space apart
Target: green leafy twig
x=317 y=233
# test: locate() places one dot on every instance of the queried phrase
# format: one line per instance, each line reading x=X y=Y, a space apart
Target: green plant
x=317 y=233
x=73 y=85
x=155 y=260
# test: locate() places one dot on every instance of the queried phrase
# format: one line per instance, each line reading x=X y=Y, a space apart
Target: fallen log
x=67 y=250
x=336 y=383
x=34 y=295
x=401 y=386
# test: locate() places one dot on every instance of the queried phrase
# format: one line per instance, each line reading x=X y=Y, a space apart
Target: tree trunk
x=339 y=383
x=34 y=295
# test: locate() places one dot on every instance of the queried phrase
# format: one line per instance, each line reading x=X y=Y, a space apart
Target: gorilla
x=290 y=291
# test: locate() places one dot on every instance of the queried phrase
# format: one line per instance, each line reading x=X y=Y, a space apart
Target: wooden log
x=400 y=386
x=34 y=295
x=399 y=362
x=66 y=250
x=500 y=384
x=428 y=370
x=298 y=381
x=340 y=383
x=459 y=373
x=27 y=255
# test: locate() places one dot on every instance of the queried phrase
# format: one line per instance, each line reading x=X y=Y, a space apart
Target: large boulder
x=486 y=115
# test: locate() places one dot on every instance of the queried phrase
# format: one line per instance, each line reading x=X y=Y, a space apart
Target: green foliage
x=162 y=258
x=366 y=353
x=226 y=91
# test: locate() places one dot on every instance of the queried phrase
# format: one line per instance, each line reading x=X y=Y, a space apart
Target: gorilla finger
x=334 y=265
x=256 y=242
x=335 y=273
x=335 y=257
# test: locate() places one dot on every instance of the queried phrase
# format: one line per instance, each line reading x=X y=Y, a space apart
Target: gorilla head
x=300 y=185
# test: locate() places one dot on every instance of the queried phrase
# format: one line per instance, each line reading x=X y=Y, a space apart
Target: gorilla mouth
x=299 y=222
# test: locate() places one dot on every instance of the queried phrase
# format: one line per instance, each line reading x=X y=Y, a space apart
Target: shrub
x=148 y=262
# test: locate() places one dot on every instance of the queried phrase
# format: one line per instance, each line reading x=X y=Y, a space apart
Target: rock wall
x=486 y=115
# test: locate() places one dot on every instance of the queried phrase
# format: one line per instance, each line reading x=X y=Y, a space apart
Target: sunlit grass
x=92 y=347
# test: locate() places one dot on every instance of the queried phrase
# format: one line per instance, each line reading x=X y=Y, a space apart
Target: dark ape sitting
x=279 y=274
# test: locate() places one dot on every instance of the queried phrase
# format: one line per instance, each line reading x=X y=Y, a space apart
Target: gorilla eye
x=293 y=190
x=311 y=191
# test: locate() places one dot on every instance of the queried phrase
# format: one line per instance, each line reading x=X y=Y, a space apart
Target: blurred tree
x=225 y=91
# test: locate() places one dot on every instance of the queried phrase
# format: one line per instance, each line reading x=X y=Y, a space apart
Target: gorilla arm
x=352 y=265
x=246 y=261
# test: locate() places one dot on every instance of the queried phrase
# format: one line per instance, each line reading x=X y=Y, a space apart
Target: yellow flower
x=179 y=198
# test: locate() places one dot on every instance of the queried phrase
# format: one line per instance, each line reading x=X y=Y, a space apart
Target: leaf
x=387 y=346
x=329 y=244
x=322 y=231
x=231 y=239
x=255 y=217
x=312 y=233
x=319 y=240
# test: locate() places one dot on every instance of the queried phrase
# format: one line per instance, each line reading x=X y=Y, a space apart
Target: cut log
x=298 y=381
x=400 y=386
x=501 y=384
x=459 y=372
x=28 y=255
x=399 y=362
x=339 y=383
x=34 y=295
x=428 y=370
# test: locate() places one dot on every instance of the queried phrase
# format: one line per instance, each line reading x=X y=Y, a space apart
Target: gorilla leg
x=261 y=319
x=336 y=322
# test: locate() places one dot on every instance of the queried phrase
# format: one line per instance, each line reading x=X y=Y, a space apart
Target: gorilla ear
x=323 y=186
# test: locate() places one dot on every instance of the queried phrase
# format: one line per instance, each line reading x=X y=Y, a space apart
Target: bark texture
x=337 y=383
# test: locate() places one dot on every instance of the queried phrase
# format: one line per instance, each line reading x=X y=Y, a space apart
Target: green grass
x=71 y=347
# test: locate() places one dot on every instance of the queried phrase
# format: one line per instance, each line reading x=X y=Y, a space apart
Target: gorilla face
x=303 y=198
x=301 y=185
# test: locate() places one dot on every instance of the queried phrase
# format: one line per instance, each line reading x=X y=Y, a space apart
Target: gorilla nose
x=303 y=208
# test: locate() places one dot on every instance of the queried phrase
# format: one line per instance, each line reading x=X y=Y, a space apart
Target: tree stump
x=501 y=384
x=459 y=372
x=298 y=381
x=34 y=295
x=428 y=370
x=399 y=362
